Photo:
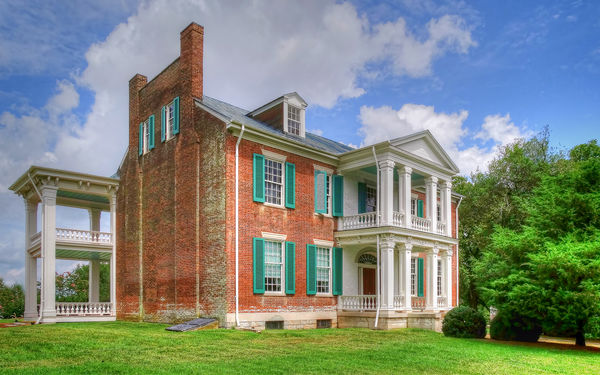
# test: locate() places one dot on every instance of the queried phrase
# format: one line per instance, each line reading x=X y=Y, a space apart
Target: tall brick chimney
x=135 y=85
x=191 y=59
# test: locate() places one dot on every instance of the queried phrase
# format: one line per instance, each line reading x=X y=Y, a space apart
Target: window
x=371 y=199
x=413 y=276
x=439 y=277
x=273 y=266
x=439 y=212
x=323 y=270
x=294 y=120
x=274 y=324
x=146 y=131
x=170 y=120
x=328 y=198
x=323 y=323
x=273 y=182
x=413 y=207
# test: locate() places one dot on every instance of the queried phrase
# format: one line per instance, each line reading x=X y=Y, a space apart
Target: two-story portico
x=397 y=234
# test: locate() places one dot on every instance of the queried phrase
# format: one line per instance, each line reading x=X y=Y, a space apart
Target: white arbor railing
x=76 y=235
x=366 y=220
x=421 y=223
x=84 y=308
x=358 y=303
x=441 y=228
x=442 y=301
x=398 y=218
x=418 y=303
x=398 y=302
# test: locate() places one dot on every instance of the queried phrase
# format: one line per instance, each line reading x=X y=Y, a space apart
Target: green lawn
x=122 y=347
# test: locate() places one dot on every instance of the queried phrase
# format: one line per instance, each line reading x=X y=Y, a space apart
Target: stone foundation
x=291 y=320
x=390 y=320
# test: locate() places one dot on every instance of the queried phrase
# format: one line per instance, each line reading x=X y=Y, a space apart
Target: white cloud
x=382 y=123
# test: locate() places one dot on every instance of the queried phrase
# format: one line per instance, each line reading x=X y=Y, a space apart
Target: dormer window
x=294 y=120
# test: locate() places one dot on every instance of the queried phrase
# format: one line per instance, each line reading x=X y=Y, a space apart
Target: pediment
x=425 y=146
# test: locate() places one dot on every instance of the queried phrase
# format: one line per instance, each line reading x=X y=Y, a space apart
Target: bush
x=465 y=322
x=512 y=327
x=12 y=300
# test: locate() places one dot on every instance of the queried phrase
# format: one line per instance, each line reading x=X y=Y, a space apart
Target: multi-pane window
x=273 y=266
x=413 y=207
x=323 y=269
x=439 y=277
x=413 y=276
x=328 y=190
x=371 y=199
x=273 y=182
x=146 y=130
x=170 y=118
x=439 y=213
x=293 y=120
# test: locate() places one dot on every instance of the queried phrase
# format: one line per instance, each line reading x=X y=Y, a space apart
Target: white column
x=405 y=255
x=113 y=256
x=94 y=265
x=446 y=202
x=432 y=258
x=30 y=262
x=387 y=274
x=431 y=196
x=448 y=277
x=95 y=214
x=386 y=168
x=404 y=191
x=49 y=253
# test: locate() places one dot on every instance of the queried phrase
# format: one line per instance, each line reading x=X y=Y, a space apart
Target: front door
x=368 y=279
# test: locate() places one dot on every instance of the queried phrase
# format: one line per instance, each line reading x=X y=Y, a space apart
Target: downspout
x=41 y=256
x=237 y=227
x=457 y=259
x=378 y=294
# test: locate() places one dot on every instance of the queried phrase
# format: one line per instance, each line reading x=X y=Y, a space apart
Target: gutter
x=237 y=227
x=41 y=256
x=378 y=284
x=457 y=258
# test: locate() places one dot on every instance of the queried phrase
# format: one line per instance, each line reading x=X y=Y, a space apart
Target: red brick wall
x=300 y=225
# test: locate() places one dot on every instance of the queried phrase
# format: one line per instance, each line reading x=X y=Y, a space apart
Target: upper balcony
x=369 y=220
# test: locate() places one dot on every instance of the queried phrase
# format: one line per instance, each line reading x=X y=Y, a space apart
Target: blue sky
x=477 y=74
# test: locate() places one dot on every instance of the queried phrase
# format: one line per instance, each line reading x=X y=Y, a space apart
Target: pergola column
x=446 y=205
x=405 y=263
x=432 y=259
x=386 y=168
x=113 y=255
x=404 y=192
x=387 y=273
x=30 y=262
x=94 y=264
x=431 y=197
x=48 y=245
x=448 y=277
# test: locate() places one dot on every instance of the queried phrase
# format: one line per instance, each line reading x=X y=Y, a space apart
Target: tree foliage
x=12 y=300
x=73 y=286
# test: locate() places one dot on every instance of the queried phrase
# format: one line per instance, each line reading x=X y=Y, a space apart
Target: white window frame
x=282 y=274
x=146 y=136
x=277 y=158
x=329 y=282
x=302 y=115
x=169 y=120
x=413 y=276
x=374 y=189
x=297 y=112
x=328 y=183
x=439 y=278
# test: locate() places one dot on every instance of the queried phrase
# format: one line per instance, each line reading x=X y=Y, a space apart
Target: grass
x=123 y=347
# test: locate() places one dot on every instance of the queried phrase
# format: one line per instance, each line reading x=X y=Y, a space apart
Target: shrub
x=12 y=300
x=508 y=326
x=465 y=322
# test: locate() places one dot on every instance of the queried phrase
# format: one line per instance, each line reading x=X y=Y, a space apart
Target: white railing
x=83 y=236
x=366 y=220
x=398 y=219
x=441 y=228
x=398 y=302
x=418 y=303
x=83 y=308
x=358 y=303
x=442 y=301
x=421 y=223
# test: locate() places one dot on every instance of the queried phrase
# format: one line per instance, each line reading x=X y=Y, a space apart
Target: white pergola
x=48 y=188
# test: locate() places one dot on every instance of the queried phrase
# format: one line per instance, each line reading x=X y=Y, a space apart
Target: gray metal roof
x=237 y=114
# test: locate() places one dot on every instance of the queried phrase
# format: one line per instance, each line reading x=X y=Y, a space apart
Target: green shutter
x=290 y=268
x=163 y=124
x=259 y=265
x=176 y=116
x=259 y=178
x=362 y=197
x=151 y=126
x=338 y=195
x=321 y=192
x=338 y=278
x=311 y=270
x=141 y=143
x=420 y=277
x=290 y=185
x=420 y=208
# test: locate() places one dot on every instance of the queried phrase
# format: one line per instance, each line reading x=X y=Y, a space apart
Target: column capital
x=48 y=193
x=406 y=246
x=405 y=169
x=431 y=180
x=449 y=253
x=387 y=243
x=434 y=251
x=30 y=206
x=386 y=164
x=446 y=184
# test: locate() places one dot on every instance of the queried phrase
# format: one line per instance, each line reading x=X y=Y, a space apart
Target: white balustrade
x=421 y=223
x=398 y=218
x=359 y=303
x=418 y=303
x=442 y=301
x=83 y=308
x=76 y=235
x=398 y=302
x=366 y=220
x=441 y=228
